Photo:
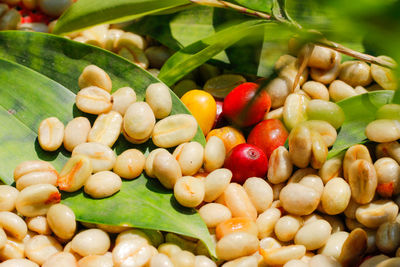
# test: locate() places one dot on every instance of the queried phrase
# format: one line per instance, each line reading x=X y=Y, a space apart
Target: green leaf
x=278 y=10
x=188 y=26
x=250 y=56
x=396 y=97
x=180 y=29
x=194 y=55
x=359 y=111
x=22 y=92
x=311 y=14
x=38 y=79
x=86 y=13
x=260 y=5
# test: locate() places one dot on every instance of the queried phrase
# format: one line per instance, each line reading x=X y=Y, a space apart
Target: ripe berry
x=243 y=107
x=268 y=135
x=246 y=161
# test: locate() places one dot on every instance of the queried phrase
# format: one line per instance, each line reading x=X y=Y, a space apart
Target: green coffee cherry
x=327 y=111
x=207 y=71
x=10 y=20
x=294 y=110
x=157 y=55
x=184 y=86
x=155 y=236
x=222 y=85
x=3 y=9
x=389 y=111
x=180 y=242
x=54 y=8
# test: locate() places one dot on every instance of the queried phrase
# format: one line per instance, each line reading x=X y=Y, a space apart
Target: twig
x=224 y=4
x=364 y=57
x=322 y=42
x=304 y=61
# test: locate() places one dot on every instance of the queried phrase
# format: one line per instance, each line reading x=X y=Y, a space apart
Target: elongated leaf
x=192 y=56
x=38 y=79
x=359 y=111
x=86 y=13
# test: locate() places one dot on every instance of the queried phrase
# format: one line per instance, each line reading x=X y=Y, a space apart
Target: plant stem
x=322 y=42
x=347 y=51
x=304 y=61
x=224 y=4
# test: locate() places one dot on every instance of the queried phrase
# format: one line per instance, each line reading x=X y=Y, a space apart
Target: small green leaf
x=311 y=14
x=38 y=79
x=86 y=13
x=359 y=111
x=192 y=56
x=183 y=28
x=396 y=97
x=188 y=26
x=253 y=56
x=389 y=111
x=260 y=5
x=278 y=10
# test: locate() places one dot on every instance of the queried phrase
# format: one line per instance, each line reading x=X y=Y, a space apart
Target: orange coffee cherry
x=203 y=107
x=229 y=135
